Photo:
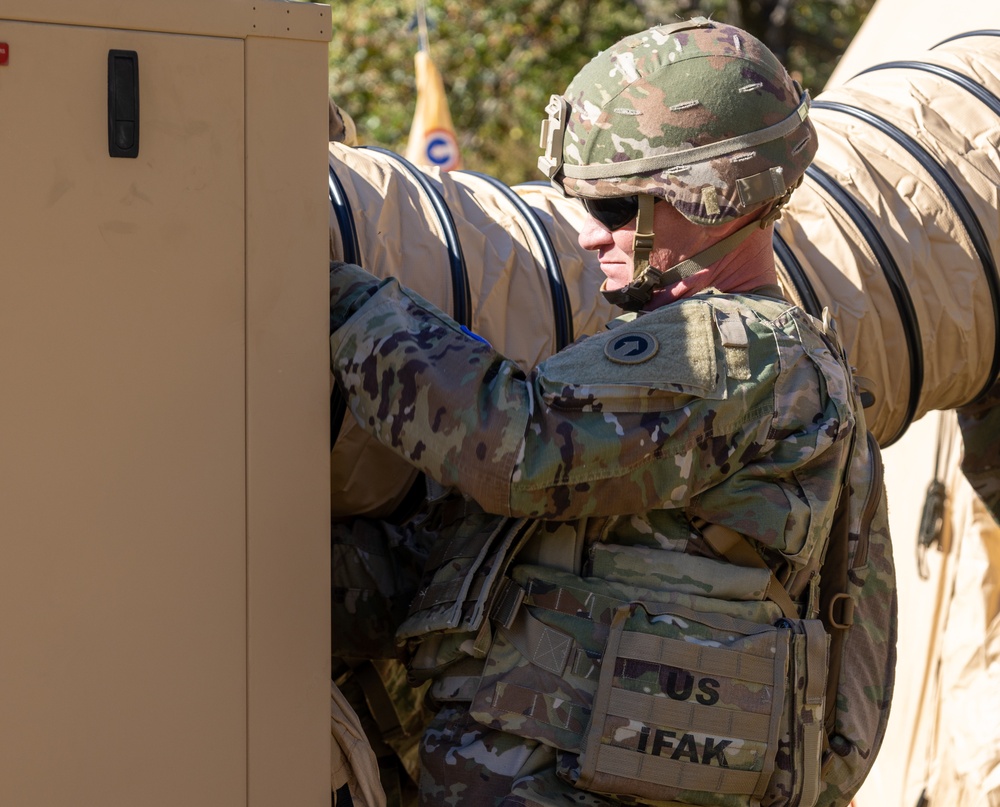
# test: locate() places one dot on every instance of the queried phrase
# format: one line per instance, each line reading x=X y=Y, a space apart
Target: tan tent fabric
x=352 y=761
x=909 y=469
x=956 y=758
x=943 y=739
x=897 y=29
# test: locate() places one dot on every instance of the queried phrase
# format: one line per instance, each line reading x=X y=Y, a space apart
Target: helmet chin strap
x=646 y=279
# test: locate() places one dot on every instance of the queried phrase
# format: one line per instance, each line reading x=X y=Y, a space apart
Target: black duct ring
x=803 y=286
x=352 y=254
x=953 y=193
x=461 y=295
x=345 y=219
x=993 y=104
x=561 y=309
x=901 y=295
x=983 y=32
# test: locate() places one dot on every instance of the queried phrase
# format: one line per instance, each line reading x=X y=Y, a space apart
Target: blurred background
x=501 y=61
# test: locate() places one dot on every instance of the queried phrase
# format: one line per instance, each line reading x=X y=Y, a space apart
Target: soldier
x=588 y=634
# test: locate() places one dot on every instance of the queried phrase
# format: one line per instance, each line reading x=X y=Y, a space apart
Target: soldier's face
x=613 y=248
x=674 y=239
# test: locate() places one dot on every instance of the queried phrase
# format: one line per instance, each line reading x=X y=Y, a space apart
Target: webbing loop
x=737 y=549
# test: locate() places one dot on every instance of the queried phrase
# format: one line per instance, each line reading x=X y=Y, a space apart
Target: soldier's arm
x=587 y=433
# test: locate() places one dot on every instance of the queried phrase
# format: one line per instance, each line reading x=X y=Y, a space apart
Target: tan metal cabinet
x=164 y=512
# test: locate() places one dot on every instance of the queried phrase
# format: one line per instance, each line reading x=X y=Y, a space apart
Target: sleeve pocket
x=671 y=354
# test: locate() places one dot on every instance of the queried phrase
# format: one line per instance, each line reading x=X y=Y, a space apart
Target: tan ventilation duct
x=895 y=229
x=502 y=261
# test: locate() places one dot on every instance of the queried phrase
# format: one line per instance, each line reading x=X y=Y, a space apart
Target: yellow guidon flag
x=432 y=134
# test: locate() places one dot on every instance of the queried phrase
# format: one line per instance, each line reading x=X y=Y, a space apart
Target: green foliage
x=502 y=59
x=500 y=62
x=808 y=36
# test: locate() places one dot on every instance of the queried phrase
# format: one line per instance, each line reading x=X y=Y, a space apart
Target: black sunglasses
x=613 y=213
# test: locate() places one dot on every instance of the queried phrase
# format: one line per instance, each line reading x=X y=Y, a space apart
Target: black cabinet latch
x=123 y=103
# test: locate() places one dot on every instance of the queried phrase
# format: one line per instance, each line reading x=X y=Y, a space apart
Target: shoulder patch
x=671 y=351
x=633 y=347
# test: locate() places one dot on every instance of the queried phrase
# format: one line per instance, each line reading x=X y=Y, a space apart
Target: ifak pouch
x=737 y=720
x=661 y=697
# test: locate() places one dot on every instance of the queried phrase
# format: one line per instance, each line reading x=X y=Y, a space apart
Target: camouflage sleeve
x=646 y=416
x=980 y=425
x=441 y=398
x=350 y=286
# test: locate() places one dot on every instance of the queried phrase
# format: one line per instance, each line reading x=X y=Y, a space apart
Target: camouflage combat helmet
x=697 y=113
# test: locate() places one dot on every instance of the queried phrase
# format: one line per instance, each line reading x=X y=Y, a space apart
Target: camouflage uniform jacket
x=734 y=409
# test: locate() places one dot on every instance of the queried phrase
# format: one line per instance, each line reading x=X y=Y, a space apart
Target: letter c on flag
x=441 y=149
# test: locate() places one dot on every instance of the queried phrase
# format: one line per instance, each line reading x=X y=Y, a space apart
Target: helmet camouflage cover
x=698 y=113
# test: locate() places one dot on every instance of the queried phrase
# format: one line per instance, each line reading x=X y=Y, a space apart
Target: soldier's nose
x=594 y=235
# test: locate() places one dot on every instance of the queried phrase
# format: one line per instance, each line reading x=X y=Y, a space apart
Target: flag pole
x=432 y=140
x=424 y=41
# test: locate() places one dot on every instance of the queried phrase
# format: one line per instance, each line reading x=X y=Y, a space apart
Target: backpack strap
x=378 y=698
x=836 y=606
x=735 y=548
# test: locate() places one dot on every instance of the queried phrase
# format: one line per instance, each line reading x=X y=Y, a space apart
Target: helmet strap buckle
x=648 y=279
x=642 y=240
x=645 y=278
x=774 y=211
x=552 y=136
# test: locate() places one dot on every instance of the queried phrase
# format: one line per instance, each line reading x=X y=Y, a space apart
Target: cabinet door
x=122 y=424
